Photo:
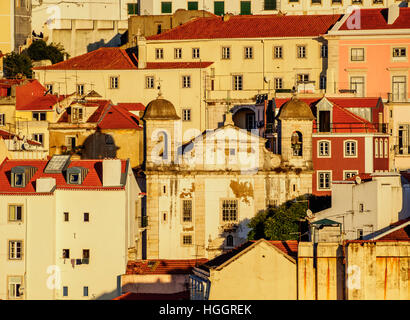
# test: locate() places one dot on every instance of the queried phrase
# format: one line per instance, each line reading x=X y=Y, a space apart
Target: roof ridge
x=154 y=37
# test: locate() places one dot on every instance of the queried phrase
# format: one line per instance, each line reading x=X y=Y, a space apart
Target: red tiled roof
x=251 y=26
x=401 y=234
x=184 y=295
x=102 y=106
x=100 y=59
x=93 y=180
x=373 y=19
x=178 y=65
x=290 y=247
x=118 y=118
x=163 y=266
x=131 y=106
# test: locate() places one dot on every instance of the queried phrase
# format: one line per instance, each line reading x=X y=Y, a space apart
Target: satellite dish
x=358 y=180
x=309 y=213
x=25 y=146
x=59 y=110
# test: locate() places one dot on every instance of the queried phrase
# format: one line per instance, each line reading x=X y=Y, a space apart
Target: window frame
x=237 y=85
x=357 y=60
x=350 y=171
x=246 y=51
x=184 y=218
x=276 y=83
x=196 y=53
x=20 y=296
x=183 y=113
x=177 y=53
x=39 y=114
x=2 y=119
x=21 y=213
x=148 y=82
x=9 y=255
x=298 y=52
x=278 y=49
x=319 y=172
x=82 y=86
x=114 y=84
x=398 y=57
x=329 y=154
x=186 y=82
x=345 y=149
x=188 y=235
x=159 y=53
x=221 y=211
x=163 y=11
x=35 y=137
x=225 y=52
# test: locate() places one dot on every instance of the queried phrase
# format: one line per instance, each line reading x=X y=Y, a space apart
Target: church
x=200 y=194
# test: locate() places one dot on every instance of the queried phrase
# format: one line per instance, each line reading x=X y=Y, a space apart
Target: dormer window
x=21 y=175
x=77 y=114
x=18 y=179
x=76 y=175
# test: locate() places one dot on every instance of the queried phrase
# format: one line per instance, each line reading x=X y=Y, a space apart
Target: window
x=350 y=174
x=226 y=53
x=357 y=84
x=186 y=81
x=376 y=148
x=74 y=178
x=85 y=291
x=219 y=8
x=245 y=8
x=399 y=88
x=2 y=119
x=39 y=116
x=316 y=1
x=66 y=253
x=77 y=114
x=277 y=52
x=15 y=249
x=186 y=114
x=269 y=5
x=322 y=82
x=114 y=83
x=361 y=207
x=80 y=89
x=164 y=217
x=324 y=149
x=15 y=212
x=248 y=53
x=149 y=82
x=404 y=137
x=399 y=52
x=278 y=83
x=323 y=51
x=302 y=77
x=297 y=143
x=14 y=285
x=187 y=239
x=350 y=148
x=18 y=179
x=381 y=148
x=229 y=210
x=187 y=210
x=192 y=5
x=178 y=53
x=229 y=241
x=324 y=180
x=39 y=137
x=132 y=8
x=159 y=53
x=195 y=53
x=65 y=291
x=386 y=150
x=49 y=88
x=301 y=52
x=357 y=54
x=86 y=253
x=166 y=7
x=159 y=28
x=237 y=82
x=86 y=217
x=70 y=142
x=360 y=234
x=66 y=216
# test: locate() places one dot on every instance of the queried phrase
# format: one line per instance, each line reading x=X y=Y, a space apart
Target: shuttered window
x=245 y=7
x=132 y=8
x=166 y=7
x=270 y=5
x=219 y=8
x=192 y=5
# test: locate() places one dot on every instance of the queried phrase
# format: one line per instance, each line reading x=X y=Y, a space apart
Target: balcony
x=397 y=97
x=336 y=127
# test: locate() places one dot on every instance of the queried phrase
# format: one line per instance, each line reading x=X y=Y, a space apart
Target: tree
x=17 y=65
x=40 y=50
x=280 y=223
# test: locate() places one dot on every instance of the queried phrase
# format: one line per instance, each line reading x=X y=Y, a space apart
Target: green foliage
x=40 y=50
x=17 y=65
x=280 y=223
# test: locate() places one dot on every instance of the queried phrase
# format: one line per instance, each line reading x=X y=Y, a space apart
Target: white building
x=65 y=227
x=360 y=206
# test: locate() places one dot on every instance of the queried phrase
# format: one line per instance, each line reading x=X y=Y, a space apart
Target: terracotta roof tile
x=253 y=26
x=163 y=266
x=93 y=180
x=373 y=19
x=118 y=118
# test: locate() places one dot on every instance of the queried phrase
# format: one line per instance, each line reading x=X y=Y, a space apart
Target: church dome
x=160 y=109
x=295 y=109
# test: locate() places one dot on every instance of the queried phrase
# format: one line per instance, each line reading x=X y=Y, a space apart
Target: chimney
x=111 y=172
x=393 y=13
x=45 y=184
x=142 y=50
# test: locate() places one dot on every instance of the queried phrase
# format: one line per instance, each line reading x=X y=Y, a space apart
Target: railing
x=352 y=127
x=397 y=97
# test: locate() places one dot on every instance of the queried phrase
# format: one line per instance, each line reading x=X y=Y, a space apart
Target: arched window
x=376 y=148
x=386 y=154
x=229 y=241
x=381 y=147
x=297 y=143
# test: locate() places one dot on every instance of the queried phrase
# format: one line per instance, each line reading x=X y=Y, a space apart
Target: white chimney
x=142 y=51
x=393 y=14
x=45 y=184
x=111 y=172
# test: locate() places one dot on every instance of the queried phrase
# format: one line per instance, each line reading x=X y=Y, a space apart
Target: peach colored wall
x=378 y=59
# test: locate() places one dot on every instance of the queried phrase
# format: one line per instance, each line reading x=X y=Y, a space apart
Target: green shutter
x=132 y=8
x=166 y=7
x=270 y=5
x=246 y=7
x=219 y=8
x=192 y=5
